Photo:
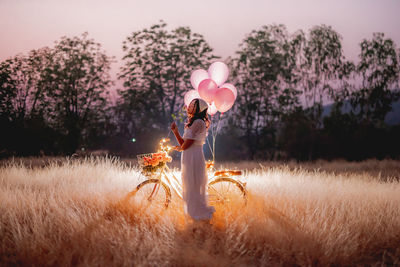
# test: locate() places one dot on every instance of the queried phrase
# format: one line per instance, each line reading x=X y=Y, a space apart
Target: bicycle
x=223 y=186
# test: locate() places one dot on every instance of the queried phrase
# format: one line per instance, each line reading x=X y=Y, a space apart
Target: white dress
x=194 y=176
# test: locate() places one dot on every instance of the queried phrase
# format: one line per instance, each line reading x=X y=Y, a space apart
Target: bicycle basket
x=140 y=158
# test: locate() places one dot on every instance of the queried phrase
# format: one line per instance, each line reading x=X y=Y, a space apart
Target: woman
x=193 y=166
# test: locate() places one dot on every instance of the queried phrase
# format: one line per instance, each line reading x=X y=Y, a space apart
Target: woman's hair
x=198 y=115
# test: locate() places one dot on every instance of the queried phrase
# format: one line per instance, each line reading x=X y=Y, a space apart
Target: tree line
x=56 y=100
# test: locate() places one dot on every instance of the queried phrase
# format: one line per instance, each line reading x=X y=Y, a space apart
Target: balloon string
x=211 y=146
x=215 y=136
x=208 y=140
x=214 y=133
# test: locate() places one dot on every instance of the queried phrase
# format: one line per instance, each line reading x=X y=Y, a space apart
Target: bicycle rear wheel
x=227 y=191
x=151 y=192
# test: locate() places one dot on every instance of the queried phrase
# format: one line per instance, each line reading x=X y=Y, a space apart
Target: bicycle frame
x=172 y=183
x=170 y=179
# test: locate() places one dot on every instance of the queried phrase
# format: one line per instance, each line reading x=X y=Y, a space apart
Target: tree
x=7 y=92
x=325 y=69
x=22 y=104
x=77 y=82
x=156 y=73
x=263 y=69
x=379 y=71
x=22 y=95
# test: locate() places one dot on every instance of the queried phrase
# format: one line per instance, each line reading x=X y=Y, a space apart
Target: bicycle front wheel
x=227 y=191
x=151 y=192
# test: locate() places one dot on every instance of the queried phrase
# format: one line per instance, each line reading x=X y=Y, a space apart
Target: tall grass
x=72 y=214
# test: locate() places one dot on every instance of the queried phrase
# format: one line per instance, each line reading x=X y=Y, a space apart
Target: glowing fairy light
x=210 y=164
x=163 y=147
x=133 y=140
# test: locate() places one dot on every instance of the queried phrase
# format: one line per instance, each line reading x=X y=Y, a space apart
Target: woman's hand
x=185 y=145
x=174 y=127
x=177 y=148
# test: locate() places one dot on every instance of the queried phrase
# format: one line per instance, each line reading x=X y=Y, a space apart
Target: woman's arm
x=178 y=137
x=186 y=144
x=197 y=128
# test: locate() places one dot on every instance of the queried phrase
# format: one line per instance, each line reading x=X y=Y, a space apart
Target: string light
x=163 y=147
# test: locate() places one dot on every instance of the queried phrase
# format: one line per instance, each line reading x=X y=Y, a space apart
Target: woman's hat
x=192 y=106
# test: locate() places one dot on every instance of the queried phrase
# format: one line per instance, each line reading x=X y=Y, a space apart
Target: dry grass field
x=63 y=213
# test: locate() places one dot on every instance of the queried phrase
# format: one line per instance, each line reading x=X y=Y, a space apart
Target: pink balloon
x=207 y=90
x=197 y=77
x=212 y=109
x=189 y=96
x=230 y=87
x=219 y=72
x=224 y=99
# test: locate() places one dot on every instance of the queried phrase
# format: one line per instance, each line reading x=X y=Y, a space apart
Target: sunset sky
x=31 y=24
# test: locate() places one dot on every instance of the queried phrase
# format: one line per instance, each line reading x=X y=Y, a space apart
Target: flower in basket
x=162 y=157
x=147 y=161
x=156 y=160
